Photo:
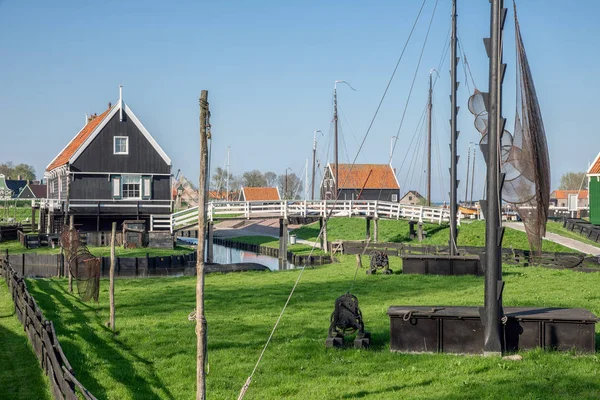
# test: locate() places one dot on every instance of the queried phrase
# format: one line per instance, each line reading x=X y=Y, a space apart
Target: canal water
x=228 y=255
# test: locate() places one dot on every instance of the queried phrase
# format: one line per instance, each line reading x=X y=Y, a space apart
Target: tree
x=294 y=186
x=253 y=178
x=573 y=181
x=219 y=179
x=26 y=171
x=270 y=178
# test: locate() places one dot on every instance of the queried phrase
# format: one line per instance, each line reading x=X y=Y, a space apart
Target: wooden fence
x=509 y=256
x=53 y=265
x=42 y=337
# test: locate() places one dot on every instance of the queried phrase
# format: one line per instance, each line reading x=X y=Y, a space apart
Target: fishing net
x=84 y=267
x=524 y=154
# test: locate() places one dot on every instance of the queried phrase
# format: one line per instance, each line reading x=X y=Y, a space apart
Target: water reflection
x=228 y=255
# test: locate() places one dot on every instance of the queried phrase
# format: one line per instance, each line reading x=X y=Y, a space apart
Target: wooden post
x=358 y=261
x=420 y=231
x=375 y=229
x=111 y=287
x=200 y=319
x=325 y=235
x=209 y=242
x=71 y=238
x=33 y=227
x=368 y=232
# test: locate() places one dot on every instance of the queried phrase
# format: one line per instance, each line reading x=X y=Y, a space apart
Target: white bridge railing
x=316 y=208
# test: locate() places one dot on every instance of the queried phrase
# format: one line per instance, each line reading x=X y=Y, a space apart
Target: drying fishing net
x=84 y=267
x=524 y=154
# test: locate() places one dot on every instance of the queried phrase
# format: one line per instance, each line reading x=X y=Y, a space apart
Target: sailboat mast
x=453 y=134
x=468 y=168
x=335 y=141
x=493 y=268
x=228 y=151
x=429 y=105
x=473 y=175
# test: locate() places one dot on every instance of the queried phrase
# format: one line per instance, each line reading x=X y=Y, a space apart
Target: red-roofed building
x=593 y=175
x=259 y=194
x=112 y=170
x=560 y=198
x=361 y=182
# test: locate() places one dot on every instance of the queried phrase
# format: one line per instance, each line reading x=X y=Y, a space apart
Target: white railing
x=46 y=203
x=161 y=222
x=316 y=208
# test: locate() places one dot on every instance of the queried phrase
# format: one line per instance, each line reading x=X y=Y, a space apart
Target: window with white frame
x=121 y=145
x=394 y=197
x=131 y=186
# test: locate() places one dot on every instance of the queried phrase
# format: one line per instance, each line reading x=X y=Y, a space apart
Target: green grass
x=469 y=233
x=20 y=374
x=153 y=356
x=557 y=227
x=268 y=241
x=21 y=213
x=14 y=247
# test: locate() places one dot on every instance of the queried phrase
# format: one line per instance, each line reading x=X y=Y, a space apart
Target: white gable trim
x=149 y=137
x=278 y=194
x=394 y=175
x=64 y=148
x=137 y=123
x=592 y=165
x=93 y=135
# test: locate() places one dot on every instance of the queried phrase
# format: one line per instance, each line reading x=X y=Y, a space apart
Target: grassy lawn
x=20 y=375
x=21 y=213
x=557 y=227
x=469 y=233
x=153 y=356
x=14 y=247
x=267 y=241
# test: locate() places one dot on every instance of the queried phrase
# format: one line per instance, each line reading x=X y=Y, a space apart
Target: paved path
x=267 y=227
x=556 y=238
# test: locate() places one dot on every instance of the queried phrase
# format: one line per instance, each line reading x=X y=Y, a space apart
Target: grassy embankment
x=153 y=356
x=470 y=233
x=557 y=227
x=20 y=374
x=14 y=247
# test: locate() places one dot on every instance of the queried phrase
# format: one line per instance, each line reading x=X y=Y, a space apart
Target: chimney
x=109 y=105
x=121 y=103
x=19 y=177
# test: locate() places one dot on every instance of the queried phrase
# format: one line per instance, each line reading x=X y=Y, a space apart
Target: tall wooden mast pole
x=493 y=267
x=429 y=106
x=227 y=192
x=200 y=319
x=335 y=142
x=473 y=174
x=468 y=170
x=312 y=196
x=453 y=134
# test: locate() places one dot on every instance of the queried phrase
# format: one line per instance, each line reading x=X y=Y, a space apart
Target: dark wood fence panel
x=43 y=339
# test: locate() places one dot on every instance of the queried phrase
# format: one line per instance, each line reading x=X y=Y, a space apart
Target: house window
x=394 y=197
x=121 y=145
x=131 y=186
x=409 y=198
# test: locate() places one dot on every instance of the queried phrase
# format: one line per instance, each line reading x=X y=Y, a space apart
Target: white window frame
x=126 y=152
x=124 y=179
x=394 y=197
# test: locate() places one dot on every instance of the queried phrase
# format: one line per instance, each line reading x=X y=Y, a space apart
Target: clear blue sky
x=270 y=66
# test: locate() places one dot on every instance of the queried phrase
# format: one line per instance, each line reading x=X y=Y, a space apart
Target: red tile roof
x=369 y=176
x=260 y=193
x=595 y=169
x=564 y=194
x=39 y=191
x=77 y=141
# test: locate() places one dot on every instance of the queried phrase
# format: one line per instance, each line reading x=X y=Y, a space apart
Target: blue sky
x=269 y=68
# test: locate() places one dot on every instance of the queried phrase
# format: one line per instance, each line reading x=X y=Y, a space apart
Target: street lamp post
x=285 y=191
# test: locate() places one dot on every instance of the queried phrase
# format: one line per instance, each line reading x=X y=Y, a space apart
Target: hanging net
x=524 y=154
x=84 y=267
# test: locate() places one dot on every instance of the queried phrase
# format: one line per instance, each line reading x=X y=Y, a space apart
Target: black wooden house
x=112 y=170
x=360 y=182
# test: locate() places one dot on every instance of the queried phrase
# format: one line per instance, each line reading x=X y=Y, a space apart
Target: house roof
x=369 y=176
x=260 y=193
x=15 y=185
x=564 y=194
x=414 y=193
x=39 y=191
x=595 y=167
x=89 y=132
x=65 y=155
